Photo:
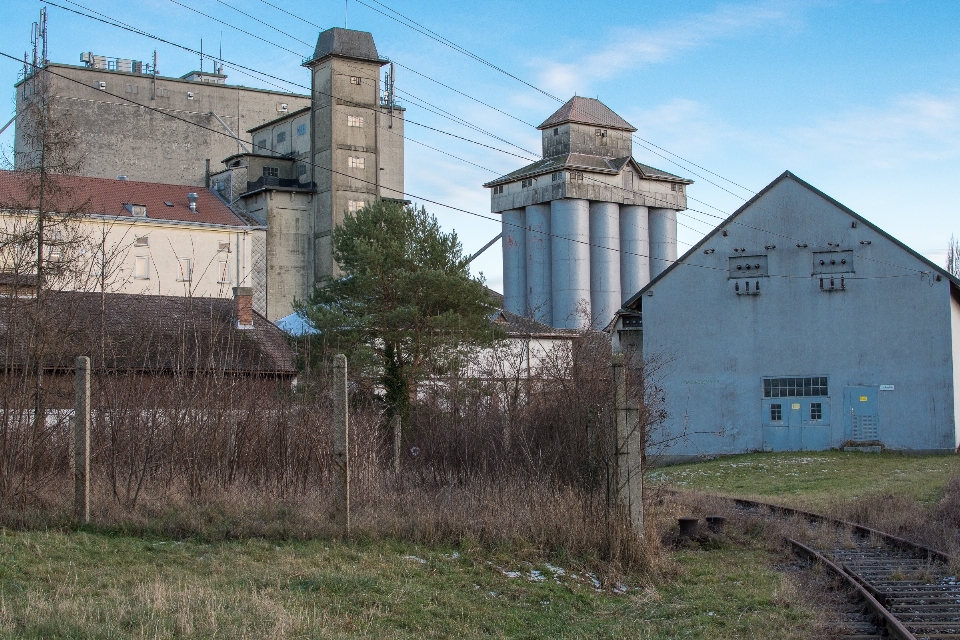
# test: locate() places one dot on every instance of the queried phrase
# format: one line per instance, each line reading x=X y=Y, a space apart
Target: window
x=556 y=131
x=223 y=246
x=271 y=172
x=355 y=163
x=498 y=189
x=354 y=121
x=131 y=88
x=189 y=95
x=601 y=133
x=676 y=187
x=816 y=411
x=302 y=130
x=776 y=413
x=223 y=271
x=163 y=93
x=139 y=210
x=142 y=241
x=186 y=271
x=355 y=80
x=557 y=176
x=794 y=387
x=141 y=268
x=301 y=169
x=281 y=137
x=355 y=205
x=526 y=183
x=55 y=254
x=577 y=175
x=262 y=145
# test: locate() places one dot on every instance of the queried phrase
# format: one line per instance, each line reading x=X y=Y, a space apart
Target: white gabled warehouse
x=796 y=324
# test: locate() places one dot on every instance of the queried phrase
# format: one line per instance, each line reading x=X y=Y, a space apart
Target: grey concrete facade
x=120 y=137
x=625 y=217
x=514 y=245
x=539 y=300
x=797 y=324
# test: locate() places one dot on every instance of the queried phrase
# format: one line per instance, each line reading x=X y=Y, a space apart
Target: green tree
x=406 y=306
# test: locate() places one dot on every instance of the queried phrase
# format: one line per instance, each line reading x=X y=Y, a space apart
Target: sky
x=860 y=98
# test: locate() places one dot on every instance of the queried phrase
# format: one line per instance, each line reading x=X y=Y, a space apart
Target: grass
x=816 y=479
x=86 y=584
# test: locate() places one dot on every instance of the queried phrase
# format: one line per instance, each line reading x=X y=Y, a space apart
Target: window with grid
x=816 y=411
x=776 y=413
x=355 y=163
x=557 y=176
x=355 y=205
x=795 y=387
x=302 y=130
x=356 y=80
x=271 y=172
x=354 y=121
x=526 y=183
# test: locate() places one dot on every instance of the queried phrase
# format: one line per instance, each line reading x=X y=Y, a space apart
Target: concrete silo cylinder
x=663 y=240
x=539 y=287
x=604 y=261
x=570 y=257
x=514 y=243
x=634 y=250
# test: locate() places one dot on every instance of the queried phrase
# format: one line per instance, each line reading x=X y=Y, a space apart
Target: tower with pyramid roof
x=587 y=226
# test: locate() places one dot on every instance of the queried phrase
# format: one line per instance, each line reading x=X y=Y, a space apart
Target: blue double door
x=796 y=424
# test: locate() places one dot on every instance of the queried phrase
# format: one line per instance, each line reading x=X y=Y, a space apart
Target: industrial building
x=797 y=324
x=294 y=164
x=587 y=226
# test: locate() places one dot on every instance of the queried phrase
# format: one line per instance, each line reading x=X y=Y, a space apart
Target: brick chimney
x=243 y=298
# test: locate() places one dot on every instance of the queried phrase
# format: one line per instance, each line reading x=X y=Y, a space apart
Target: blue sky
x=861 y=98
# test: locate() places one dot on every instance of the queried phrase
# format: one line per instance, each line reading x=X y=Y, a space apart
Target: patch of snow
x=415 y=559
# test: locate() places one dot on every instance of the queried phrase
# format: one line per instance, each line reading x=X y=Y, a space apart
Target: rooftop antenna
x=43 y=36
x=201 y=55
x=220 y=68
x=389 y=96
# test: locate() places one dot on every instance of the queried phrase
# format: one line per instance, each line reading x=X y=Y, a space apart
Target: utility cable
x=429 y=200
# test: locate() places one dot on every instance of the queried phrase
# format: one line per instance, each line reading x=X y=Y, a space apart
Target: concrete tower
x=587 y=226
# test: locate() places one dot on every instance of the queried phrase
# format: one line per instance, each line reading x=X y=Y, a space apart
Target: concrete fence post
x=626 y=472
x=396 y=443
x=341 y=443
x=81 y=442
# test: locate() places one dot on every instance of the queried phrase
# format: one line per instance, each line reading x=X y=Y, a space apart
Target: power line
x=431 y=201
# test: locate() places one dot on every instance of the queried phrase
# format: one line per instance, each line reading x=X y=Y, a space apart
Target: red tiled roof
x=103 y=196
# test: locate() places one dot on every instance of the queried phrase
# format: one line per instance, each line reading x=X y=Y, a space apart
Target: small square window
x=557 y=176
x=141 y=268
x=355 y=205
x=271 y=172
x=185 y=270
x=355 y=163
x=301 y=169
x=142 y=241
x=556 y=131
x=354 y=121
x=816 y=411
x=302 y=130
x=526 y=183
x=355 y=80
x=601 y=133
x=262 y=146
x=776 y=413
x=282 y=137
x=498 y=189
x=223 y=246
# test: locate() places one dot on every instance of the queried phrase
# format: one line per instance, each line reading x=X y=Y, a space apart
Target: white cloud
x=630 y=48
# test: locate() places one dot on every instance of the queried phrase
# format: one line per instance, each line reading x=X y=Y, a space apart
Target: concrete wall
x=289 y=247
x=539 y=283
x=634 y=250
x=514 y=243
x=663 y=239
x=570 y=262
x=604 y=262
x=889 y=326
x=119 y=137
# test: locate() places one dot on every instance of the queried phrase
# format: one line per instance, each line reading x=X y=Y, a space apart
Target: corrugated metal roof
x=102 y=196
x=587 y=111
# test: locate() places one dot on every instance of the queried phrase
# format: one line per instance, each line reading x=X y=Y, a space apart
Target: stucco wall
x=888 y=326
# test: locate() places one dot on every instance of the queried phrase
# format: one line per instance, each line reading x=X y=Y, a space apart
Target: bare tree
x=953 y=257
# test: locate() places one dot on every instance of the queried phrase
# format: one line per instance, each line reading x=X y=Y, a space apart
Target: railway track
x=909 y=589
